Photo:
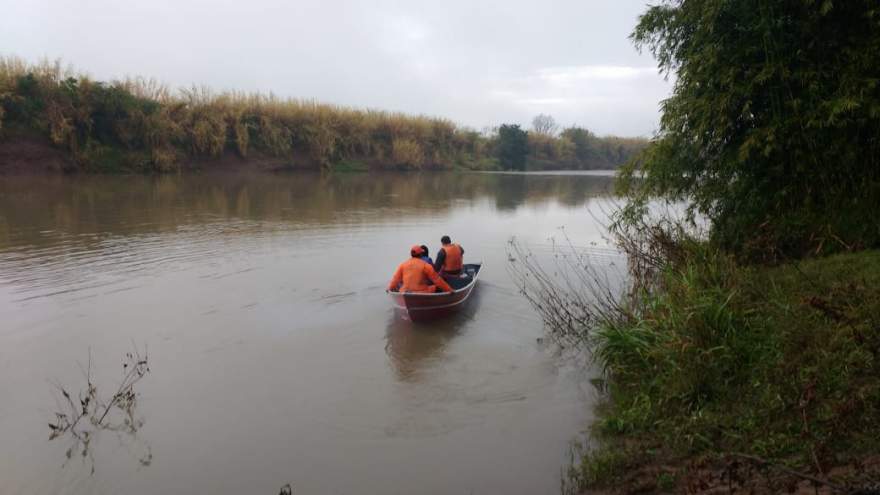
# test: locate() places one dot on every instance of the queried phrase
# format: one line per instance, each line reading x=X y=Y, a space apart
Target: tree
x=772 y=127
x=544 y=124
x=585 y=145
x=513 y=146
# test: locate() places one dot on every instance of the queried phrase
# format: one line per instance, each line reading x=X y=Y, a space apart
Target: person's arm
x=396 y=279
x=437 y=279
x=441 y=257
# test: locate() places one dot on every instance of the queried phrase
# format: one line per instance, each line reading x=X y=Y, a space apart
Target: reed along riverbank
x=53 y=119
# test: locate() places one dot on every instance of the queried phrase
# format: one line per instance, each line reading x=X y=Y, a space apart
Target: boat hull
x=423 y=307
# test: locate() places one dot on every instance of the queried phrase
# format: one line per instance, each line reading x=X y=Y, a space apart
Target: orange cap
x=416 y=250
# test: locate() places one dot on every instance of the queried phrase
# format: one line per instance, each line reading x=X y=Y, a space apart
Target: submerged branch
x=68 y=419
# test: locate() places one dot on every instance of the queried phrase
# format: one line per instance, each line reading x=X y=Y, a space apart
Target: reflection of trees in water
x=513 y=193
x=31 y=206
x=411 y=347
x=80 y=417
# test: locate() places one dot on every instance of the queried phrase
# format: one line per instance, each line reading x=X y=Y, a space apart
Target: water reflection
x=61 y=235
x=513 y=195
x=412 y=346
x=42 y=211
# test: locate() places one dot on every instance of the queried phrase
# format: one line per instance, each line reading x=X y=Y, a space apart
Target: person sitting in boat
x=414 y=275
x=450 y=257
x=425 y=256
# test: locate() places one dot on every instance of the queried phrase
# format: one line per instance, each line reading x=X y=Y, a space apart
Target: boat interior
x=467 y=275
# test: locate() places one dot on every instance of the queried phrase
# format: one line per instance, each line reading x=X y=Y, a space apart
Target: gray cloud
x=478 y=63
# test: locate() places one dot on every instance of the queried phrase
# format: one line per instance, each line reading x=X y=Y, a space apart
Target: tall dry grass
x=159 y=129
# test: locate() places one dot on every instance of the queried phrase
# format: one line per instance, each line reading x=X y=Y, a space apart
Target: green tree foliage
x=577 y=148
x=585 y=143
x=773 y=127
x=513 y=147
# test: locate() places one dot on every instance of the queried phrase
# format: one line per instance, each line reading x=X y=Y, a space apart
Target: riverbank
x=138 y=125
x=28 y=153
x=735 y=377
x=24 y=152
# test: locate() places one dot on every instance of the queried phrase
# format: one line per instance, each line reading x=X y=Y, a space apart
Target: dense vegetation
x=748 y=331
x=773 y=127
x=140 y=125
x=716 y=359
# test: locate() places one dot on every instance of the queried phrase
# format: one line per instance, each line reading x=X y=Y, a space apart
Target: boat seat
x=461 y=280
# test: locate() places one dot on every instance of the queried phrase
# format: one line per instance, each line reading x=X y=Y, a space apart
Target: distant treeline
x=139 y=124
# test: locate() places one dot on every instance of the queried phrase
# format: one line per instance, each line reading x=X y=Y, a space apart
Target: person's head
x=424 y=250
x=446 y=240
x=416 y=251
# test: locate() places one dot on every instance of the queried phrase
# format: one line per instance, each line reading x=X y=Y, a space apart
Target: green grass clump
x=780 y=362
x=597 y=467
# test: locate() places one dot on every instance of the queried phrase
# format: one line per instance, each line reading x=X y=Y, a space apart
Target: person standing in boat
x=426 y=257
x=414 y=275
x=450 y=257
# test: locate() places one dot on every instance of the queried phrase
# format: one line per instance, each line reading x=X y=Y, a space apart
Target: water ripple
x=66 y=265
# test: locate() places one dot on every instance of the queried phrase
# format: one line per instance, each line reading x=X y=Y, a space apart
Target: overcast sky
x=478 y=63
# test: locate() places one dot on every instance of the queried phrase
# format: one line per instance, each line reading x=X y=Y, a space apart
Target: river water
x=275 y=354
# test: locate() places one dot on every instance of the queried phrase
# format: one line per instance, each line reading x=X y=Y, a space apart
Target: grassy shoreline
x=138 y=125
x=741 y=368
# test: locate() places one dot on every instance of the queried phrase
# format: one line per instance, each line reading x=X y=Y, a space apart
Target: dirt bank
x=745 y=475
x=33 y=155
x=27 y=154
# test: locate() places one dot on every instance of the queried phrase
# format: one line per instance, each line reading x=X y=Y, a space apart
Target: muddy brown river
x=275 y=354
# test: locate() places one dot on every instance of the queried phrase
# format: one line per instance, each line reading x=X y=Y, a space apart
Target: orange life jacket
x=414 y=275
x=453 y=262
